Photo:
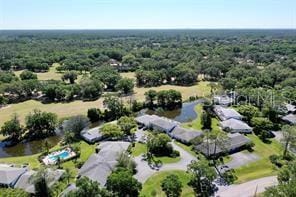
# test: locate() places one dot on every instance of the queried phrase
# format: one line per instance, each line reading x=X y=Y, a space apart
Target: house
x=9 y=175
x=100 y=165
x=234 y=143
x=24 y=181
x=235 y=126
x=223 y=100
x=114 y=62
x=226 y=113
x=91 y=135
x=290 y=108
x=185 y=135
x=290 y=118
x=163 y=124
x=145 y=120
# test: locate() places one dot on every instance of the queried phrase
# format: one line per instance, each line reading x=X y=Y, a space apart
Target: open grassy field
x=152 y=187
x=80 y=107
x=263 y=167
x=200 y=89
x=51 y=74
x=130 y=75
x=61 y=109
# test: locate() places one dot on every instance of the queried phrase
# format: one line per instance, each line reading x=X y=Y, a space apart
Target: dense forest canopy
x=239 y=59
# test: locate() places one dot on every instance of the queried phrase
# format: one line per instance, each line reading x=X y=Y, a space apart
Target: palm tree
x=40 y=180
x=67 y=175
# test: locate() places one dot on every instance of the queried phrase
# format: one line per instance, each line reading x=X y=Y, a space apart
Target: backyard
x=85 y=149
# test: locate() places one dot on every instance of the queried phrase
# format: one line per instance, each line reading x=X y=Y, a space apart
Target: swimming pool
x=62 y=155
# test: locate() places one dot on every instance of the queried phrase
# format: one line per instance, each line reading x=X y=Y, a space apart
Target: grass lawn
x=166 y=160
x=142 y=149
x=51 y=74
x=152 y=187
x=187 y=148
x=139 y=149
x=262 y=167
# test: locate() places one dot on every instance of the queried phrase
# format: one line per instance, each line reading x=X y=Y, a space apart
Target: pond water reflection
x=27 y=148
x=184 y=114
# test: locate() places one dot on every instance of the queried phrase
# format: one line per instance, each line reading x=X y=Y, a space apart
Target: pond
x=27 y=148
x=184 y=114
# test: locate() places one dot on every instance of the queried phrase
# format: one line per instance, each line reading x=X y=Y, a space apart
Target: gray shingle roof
x=8 y=175
x=290 y=108
x=24 y=181
x=235 y=125
x=164 y=124
x=99 y=166
x=290 y=118
x=146 y=119
x=234 y=142
x=226 y=113
x=223 y=100
x=185 y=135
x=91 y=135
x=71 y=187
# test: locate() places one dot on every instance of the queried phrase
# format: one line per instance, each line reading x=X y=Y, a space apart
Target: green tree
x=41 y=124
x=114 y=106
x=158 y=144
x=27 y=75
x=90 y=88
x=150 y=96
x=125 y=85
x=94 y=114
x=122 y=183
x=287 y=182
x=87 y=187
x=112 y=131
x=172 y=186
x=70 y=75
x=261 y=127
x=40 y=181
x=202 y=177
x=127 y=124
x=289 y=137
x=248 y=111
x=107 y=75
x=206 y=120
x=126 y=162
x=12 y=128
x=76 y=124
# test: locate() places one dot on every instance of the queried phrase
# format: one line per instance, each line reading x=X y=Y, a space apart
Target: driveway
x=241 y=158
x=144 y=171
x=247 y=189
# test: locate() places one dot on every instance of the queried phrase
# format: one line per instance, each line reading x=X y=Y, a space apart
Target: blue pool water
x=62 y=155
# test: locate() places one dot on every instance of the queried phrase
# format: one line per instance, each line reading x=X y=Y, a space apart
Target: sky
x=147 y=14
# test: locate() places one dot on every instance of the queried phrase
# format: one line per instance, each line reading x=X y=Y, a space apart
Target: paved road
x=144 y=171
x=241 y=158
x=247 y=189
